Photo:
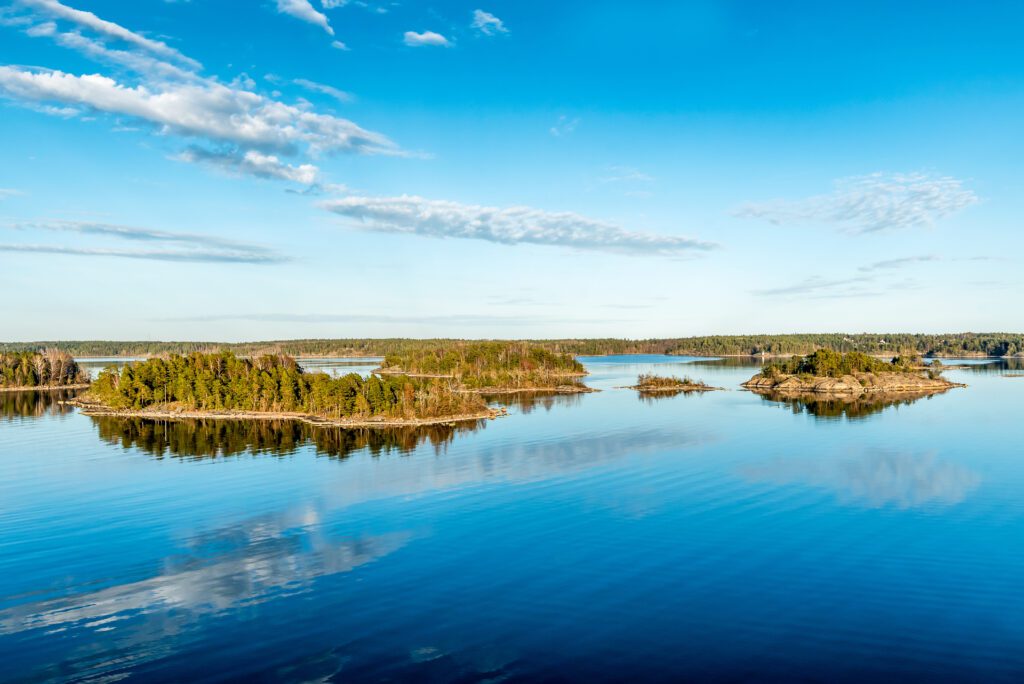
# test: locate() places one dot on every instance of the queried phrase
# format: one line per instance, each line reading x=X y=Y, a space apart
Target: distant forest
x=956 y=344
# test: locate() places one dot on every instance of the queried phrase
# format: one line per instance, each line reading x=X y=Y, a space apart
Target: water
x=601 y=537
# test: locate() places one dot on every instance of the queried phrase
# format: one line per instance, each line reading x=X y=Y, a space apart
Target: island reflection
x=837 y=407
x=202 y=439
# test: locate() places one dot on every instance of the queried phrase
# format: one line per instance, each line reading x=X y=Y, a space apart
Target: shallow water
x=599 y=537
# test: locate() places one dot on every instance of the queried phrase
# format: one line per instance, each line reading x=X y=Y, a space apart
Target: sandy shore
x=44 y=388
x=93 y=409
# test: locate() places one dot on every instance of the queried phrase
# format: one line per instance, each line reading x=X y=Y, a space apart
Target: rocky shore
x=852 y=385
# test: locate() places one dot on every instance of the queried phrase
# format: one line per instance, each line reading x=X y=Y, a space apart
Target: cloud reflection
x=876 y=479
x=244 y=564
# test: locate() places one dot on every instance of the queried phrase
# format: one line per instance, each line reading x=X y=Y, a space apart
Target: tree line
x=832 y=364
x=274 y=383
x=489 y=365
x=48 y=368
x=952 y=344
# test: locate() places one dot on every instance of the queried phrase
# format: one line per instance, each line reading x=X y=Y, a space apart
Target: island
x=649 y=383
x=826 y=372
x=491 y=367
x=50 y=369
x=274 y=387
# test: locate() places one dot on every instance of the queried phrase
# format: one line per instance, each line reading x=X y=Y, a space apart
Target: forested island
x=880 y=344
x=833 y=373
x=648 y=383
x=491 y=367
x=223 y=385
x=45 y=370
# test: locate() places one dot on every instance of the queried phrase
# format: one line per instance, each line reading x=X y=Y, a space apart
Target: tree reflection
x=34 y=404
x=528 y=402
x=202 y=439
x=836 y=407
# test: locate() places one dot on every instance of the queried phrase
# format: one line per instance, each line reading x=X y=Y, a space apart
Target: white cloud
x=513 y=225
x=302 y=9
x=207 y=110
x=877 y=202
x=332 y=4
x=487 y=24
x=338 y=45
x=253 y=163
x=413 y=39
x=108 y=29
x=339 y=95
x=9 y=192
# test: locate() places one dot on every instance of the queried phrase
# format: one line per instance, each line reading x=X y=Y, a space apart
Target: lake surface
x=600 y=537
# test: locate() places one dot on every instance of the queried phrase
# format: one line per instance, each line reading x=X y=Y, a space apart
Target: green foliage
x=213 y=382
x=831 y=364
x=482 y=365
x=666 y=381
x=50 y=368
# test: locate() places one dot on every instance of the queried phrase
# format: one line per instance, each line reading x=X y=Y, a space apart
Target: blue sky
x=305 y=168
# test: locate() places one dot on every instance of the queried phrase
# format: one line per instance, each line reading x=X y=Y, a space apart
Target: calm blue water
x=717 y=537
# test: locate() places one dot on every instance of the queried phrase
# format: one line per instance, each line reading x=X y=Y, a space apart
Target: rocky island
x=831 y=373
x=648 y=383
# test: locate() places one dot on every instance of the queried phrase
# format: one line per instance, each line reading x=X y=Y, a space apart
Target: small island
x=648 y=383
x=47 y=370
x=827 y=372
x=491 y=367
x=274 y=387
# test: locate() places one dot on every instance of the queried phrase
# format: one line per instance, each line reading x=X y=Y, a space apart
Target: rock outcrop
x=849 y=385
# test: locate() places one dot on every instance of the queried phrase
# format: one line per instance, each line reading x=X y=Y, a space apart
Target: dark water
x=603 y=537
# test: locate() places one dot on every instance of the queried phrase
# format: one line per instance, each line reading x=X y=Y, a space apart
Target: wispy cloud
x=625 y=174
x=514 y=225
x=427 y=38
x=892 y=264
x=339 y=95
x=9 y=192
x=444 y=319
x=169 y=246
x=339 y=45
x=109 y=29
x=487 y=24
x=873 y=203
x=818 y=287
x=304 y=11
x=564 y=126
x=153 y=255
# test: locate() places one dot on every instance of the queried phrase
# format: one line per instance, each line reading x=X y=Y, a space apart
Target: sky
x=274 y=169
